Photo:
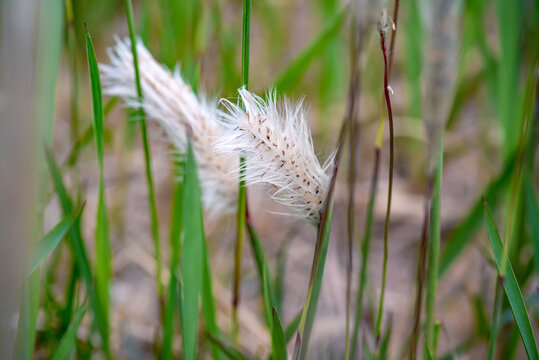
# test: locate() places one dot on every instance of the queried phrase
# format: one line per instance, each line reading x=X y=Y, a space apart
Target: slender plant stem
x=353 y=139
x=421 y=265
x=434 y=249
x=390 y=186
x=365 y=249
x=242 y=193
x=146 y=146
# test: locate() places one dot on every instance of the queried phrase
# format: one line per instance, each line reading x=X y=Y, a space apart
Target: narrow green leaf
x=231 y=352
x=208 y=302
x=292 y=327
x=278 y=344
x=191 y=265
x=291 y=75
x=102 y=240
x=512 y=289
x=532 y=216
x=42 y=249
x=69 y=339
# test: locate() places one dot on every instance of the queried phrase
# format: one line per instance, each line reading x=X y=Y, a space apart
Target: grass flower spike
x=171 y=102
x=277 y=145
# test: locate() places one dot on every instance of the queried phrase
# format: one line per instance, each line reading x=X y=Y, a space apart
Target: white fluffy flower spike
x=277 y=145
x=169 y=101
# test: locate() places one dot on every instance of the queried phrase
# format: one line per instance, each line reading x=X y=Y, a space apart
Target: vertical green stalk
x=495 y=319
x=434 y=250
x=242 y=195
x=146 y=146
x=48 y=58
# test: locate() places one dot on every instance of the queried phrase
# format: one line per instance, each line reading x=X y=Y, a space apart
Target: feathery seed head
x=277 y=145
x=169 y=101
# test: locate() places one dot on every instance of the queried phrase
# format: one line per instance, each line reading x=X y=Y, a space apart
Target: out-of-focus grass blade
x=102 y=240
x=278 y=344
x=292 y=327
x=319 y=262
x=231 y=352
x=532 y=208
x=384 y=344
x=208 y=302
x=428 y=354
x=512 y=289
x=193 y=248
x=291 y=75
x=176 y=221
x=461 y=236
x=86 y=137
x=69 y=339
x=263 y=272
x=42 y=249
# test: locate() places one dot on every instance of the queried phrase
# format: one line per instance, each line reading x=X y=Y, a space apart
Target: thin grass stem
x=242 y=193
x=146 y=146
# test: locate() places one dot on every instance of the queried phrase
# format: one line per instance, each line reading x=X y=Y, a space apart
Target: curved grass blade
x=278 y=344
x=102 y=240
x=208 y=302
x=69 y=339
x=291 y=75
x=292 y=327
x=42 y=249
x=511 y=287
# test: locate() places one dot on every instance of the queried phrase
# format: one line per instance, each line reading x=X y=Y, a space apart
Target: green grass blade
x=69 y=339
x=176 y=221
x=532 y=208
x=292 y=327
x=463 y=233
x=231 y=352
x=146 y=146
x=102 y=240
x=208 y=302
x=315 y=284
x=291 y=75
x=511 y=287
x=42 y=249
x=278 y=344
x=193 y=248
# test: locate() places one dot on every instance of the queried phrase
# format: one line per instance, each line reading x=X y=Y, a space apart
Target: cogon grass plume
x=172 y=103
x=278 y=149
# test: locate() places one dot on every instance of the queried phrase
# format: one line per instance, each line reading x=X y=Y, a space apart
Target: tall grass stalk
x=242 y=193
x=390 y=184
x=146 y=146
x=47 y=64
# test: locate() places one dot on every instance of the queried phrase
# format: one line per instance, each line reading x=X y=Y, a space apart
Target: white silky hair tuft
x=181 y=113
x=278 y=148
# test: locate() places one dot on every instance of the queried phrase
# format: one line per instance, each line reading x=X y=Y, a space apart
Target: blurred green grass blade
x=278 y=344
x=227 y=349
x=512 y=289
x=146 y=147
x=532 y=216
x=103 y=267
x=291 y=75
x=69 y=340
x=319 y=262
x=42 y=249
x=208 y=303
x=267 y=298
x=292 y=327
x=509 y=14
x=176 y=221
x=191 y=266
x=384 y=343
x=464 y=232
x=428 y=354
